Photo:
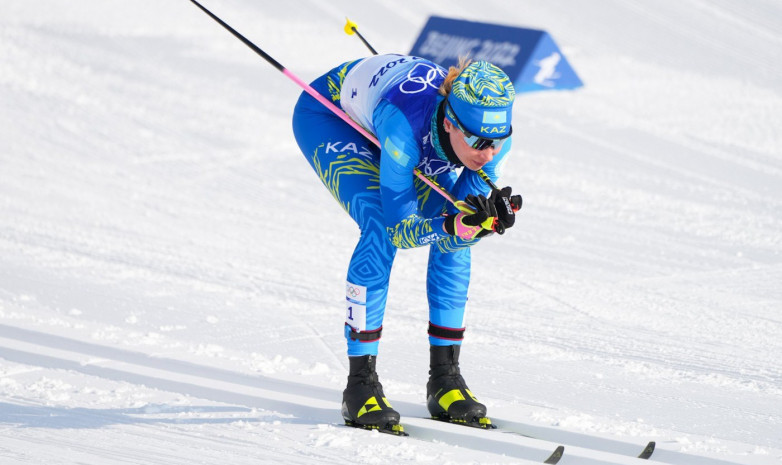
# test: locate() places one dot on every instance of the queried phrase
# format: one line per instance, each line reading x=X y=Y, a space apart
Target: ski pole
x=350 y=29
x=461 y=205
x=307 y=88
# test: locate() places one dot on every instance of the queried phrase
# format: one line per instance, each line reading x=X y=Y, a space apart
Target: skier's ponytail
x=453 y=73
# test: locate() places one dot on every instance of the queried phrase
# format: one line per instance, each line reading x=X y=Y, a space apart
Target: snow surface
x=171 y=271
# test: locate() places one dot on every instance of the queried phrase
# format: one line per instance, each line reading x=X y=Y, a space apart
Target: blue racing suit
x=396 y=98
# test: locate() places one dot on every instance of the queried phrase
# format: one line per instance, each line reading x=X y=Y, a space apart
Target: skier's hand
x=473 y=225
x=506 y=205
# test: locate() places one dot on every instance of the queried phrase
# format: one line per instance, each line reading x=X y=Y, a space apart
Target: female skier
x=438 y=122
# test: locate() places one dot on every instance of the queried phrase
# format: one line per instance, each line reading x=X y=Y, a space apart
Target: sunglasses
x=478 y=142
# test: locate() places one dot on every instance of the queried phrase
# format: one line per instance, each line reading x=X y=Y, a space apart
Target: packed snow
x=172 y=271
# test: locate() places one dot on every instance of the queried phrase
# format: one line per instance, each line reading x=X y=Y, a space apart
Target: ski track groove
x=163 y=371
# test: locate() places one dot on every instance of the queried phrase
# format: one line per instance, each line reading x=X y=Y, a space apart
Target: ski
x=398 y=430
x=645 y=454
x=648 y=450
x=554 y=457
x=485 y=423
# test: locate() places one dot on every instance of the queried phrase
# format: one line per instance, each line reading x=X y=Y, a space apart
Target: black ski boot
x=363 y=403
x=447 y=396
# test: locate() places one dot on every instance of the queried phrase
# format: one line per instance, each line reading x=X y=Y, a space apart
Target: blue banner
x=528 y=56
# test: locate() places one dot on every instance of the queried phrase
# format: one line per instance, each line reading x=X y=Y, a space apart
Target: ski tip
x=648 y=450
x=555 y=456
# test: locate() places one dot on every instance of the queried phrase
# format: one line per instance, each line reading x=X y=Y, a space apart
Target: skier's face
x=473 y=159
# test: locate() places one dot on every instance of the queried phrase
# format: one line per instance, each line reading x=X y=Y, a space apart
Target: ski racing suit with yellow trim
x=394 y=97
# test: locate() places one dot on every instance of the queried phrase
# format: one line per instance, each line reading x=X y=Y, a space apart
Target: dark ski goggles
x=478 y=142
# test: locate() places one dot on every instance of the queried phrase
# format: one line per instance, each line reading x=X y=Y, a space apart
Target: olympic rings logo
x=422 y=82
x=353 y=291
x=431 y=167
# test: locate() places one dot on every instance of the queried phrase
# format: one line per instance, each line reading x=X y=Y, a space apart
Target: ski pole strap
x=365 y=336
x=441 y=332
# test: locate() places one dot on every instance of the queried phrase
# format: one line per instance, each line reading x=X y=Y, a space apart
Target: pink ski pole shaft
x=461 y=205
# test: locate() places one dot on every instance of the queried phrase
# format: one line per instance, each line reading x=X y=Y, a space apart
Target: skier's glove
x=506 y=205
x=475 y=225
